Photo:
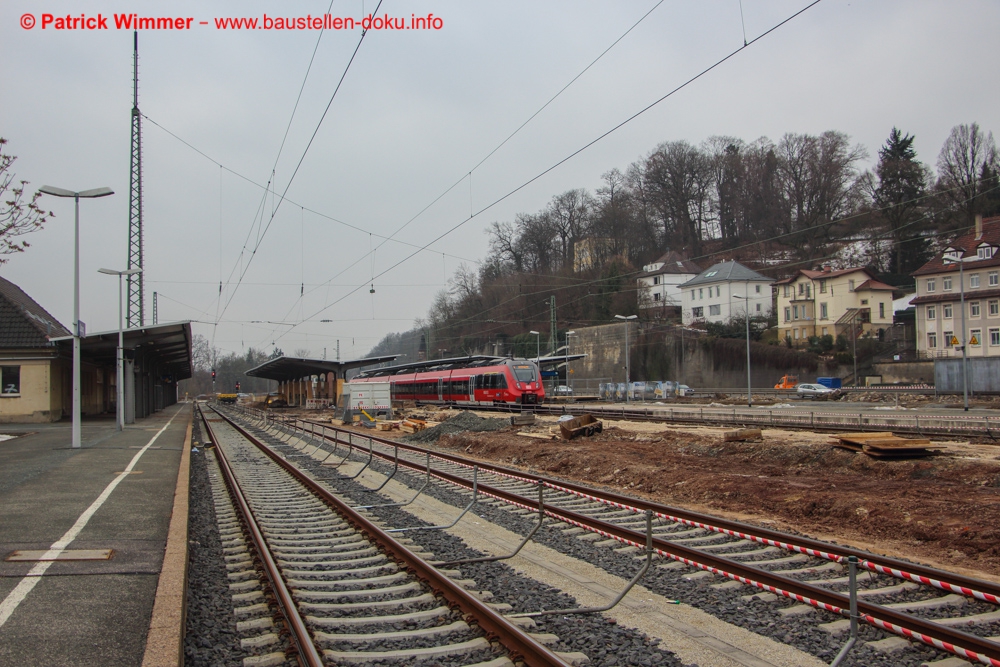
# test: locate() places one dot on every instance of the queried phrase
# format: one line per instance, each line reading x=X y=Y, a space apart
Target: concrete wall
x=905 y=371
x=984 y=375
x=672 y=353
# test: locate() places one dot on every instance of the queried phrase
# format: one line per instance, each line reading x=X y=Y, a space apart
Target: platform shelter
x=311 y=383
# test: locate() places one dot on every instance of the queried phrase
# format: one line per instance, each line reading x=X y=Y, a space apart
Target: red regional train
x=464 y=381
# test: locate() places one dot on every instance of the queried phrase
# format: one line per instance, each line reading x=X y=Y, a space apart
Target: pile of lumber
x=884 y=445
x=412 y=425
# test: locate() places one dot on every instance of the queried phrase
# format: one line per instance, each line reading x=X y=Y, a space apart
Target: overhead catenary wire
x=587 y=145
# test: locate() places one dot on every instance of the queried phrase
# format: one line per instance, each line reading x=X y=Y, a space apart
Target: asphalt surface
x=85 y=612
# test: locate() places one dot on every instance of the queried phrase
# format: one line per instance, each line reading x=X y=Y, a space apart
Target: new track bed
x=347 y=592
x=957 y=615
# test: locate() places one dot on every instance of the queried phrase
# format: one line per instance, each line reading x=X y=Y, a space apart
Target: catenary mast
x=135 y=316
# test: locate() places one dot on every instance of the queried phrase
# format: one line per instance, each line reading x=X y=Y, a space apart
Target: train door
x=440 y=391
x=472 y=388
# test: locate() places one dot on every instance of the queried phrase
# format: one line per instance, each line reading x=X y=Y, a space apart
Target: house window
x=822 y=311
x=974 y=309
x=974 y=280
x=757 y=287
x=947 y=311
x=10 y=379
x=946 y=283
x=931 y=286
x=758 y=307
x=932 y=339
x=698 y=312
x=718 y=290
x=948 y=335
x=994 y=336
x=788 y=314
x=823 y=331
x=701 y=292
x=795 y=312
x=715 y=310
x=984 y=252
x=802 y=289
x=786 y=291
x=796 y=334
x=975 y=337
x=850 y=285
x=881 y=311
x=656 y=280
x=864 y=302
x=656 y=296
x=994 y=278
x=994 y=308
x=822 y=288
x=931 y=312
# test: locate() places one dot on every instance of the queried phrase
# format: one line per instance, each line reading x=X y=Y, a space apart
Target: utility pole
x=552 y=325
x=135 y=281
x=338 y=349
x=155 y=317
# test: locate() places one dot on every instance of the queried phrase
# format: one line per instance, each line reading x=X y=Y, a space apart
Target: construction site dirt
x=943 y=511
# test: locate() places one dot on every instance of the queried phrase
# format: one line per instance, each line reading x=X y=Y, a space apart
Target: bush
x=844 y=358
x=821 y=344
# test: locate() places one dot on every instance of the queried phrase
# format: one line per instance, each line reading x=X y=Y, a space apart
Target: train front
x=527 y=381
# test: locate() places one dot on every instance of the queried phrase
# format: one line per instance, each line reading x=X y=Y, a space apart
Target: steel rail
x=942 y=637
x=521 y=645
x=303 y=640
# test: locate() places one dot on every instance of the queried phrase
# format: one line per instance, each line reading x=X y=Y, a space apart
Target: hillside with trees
x=774 y=206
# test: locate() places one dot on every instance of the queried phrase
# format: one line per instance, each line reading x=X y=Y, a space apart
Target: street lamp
x=568 y=380
x=538 y=345
x=628 y=366
x=120 y=357
x=961 y=289
x=86 y=194
x=746 y=302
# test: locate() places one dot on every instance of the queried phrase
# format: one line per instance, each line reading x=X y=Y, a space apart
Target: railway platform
x=62 y=600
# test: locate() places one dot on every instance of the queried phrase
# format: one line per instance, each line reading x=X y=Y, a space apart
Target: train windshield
x=524 y=372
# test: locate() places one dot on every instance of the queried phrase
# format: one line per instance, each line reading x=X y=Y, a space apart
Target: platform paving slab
x=93 y=612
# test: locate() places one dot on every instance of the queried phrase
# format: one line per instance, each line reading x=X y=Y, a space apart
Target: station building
x=36 y=364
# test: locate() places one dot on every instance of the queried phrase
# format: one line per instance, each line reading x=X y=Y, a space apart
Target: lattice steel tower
x=136 y=282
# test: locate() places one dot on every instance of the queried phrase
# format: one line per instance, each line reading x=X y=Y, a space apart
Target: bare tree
x=18 y=215
x=678 y=176
x=568 y=213
x=968 y=155
x=537 y=238
x=505 y=244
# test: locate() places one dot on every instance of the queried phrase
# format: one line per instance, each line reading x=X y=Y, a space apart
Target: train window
x=501 y=381
x=524 y=372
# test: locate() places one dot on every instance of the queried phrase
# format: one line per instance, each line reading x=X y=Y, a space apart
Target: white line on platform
x=16 y=596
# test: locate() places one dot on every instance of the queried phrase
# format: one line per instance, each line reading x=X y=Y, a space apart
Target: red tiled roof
x=974 y=295
x=817 y=275
x=968 y=241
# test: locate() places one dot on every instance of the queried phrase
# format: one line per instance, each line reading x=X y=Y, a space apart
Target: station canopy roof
x=168 y=344
x=471 y=361
x=293 y=368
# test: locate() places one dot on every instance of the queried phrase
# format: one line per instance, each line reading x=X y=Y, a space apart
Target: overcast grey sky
x=417 y=111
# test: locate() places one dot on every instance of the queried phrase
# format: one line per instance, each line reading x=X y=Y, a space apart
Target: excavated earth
x=943 y=510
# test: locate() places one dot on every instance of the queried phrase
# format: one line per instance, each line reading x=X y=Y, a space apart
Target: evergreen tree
x=902 y=179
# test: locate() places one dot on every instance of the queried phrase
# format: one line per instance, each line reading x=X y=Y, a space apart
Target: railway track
x=348 y=592
x=765 y=417
x=952 y=613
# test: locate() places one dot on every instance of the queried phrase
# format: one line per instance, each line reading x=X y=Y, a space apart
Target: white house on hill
x=660 y=282
x=719 y=292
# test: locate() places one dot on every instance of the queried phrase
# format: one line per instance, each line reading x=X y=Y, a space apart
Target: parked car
x=684 y=390
x=805 y=390
x=563 y=390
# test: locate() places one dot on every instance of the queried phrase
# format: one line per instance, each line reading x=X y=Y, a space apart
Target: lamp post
x=120 y=356
x=961 y=290
x=85 y=194
x=538 y=345
x=628 y=365
x=746 y=302
x=568 y=380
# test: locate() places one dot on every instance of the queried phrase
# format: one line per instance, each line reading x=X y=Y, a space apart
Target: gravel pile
x=463 y=421
x=210 y=636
